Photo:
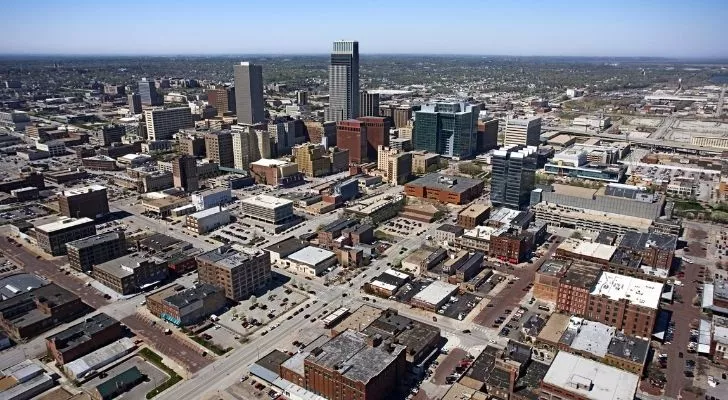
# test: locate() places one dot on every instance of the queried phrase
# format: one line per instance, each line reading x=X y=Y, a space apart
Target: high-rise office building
x=148 y=93
x=301 y=97
x=219 y=148
x=377 y=134
x=447 y=128
x=523 y=132
x=351 y=135
x=184 y=173
x=112 y=134
x=513 y=176
x=402 y=116
x=134 y=101
x=249 y=145
x=162 y=123
x=343 y=81
x=223 y=99
x=396 y=165
x=249 y=93
x=368 y=104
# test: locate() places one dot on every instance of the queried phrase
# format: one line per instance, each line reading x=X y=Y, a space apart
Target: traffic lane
x=447 y=365
x=184 y=353
x=49 y=269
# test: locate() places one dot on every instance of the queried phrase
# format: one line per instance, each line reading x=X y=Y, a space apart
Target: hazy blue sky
x=686 y=28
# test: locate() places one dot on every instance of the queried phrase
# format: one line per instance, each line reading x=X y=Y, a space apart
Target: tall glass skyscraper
x=344 y=82
x=447 y=128
x=513 y=176
x=249 y=93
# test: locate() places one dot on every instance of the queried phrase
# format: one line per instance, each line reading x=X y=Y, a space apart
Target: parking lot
x=154 y=377
x=7 y=266
x=221 y=336
x=254 y=312
x=402 y=227
x=460 y=307
x=22 y=213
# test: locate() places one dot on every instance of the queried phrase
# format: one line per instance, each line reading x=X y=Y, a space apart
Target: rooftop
x=63 y=223
x=266 y=201
x=268 y=162
x=629 y=347
x=456 y=184
x=124 y=266
x=192 y=295
x=637 y=291
x=555 y=328
x=311 y=255
x=435 y=292
x=583 y=275
x=96 y=239
x=450 y=228
x=158 y=241
x=474 y=210
x=349 y=354
x=553 y=267
x=83 y=190
x=590 y=379
x=13 y=285
x=82 y=332
x=575 y=191
x=588 y=336
x=588 y=249
x=229 y=258
x=640 y=241
x=208 y=212
x=360 y=318
x=286 y=246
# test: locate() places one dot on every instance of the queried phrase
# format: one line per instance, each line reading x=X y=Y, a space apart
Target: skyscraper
x=148 y=93
x=447 y=128
x=343 y=81
x=368 y=104
x=184 y=173
x=351 y=135
x=377 y=134
x=523 y=132
x=219 y=148
x=135 y=103
x=223 y=99
x=513 y=176
x=162 y=123
x=249 y=145
x=249 y=93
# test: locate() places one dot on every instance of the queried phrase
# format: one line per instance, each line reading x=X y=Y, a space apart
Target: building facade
x=249 y=93
x=163 y=123
x=84 y=253
x=513 y=176
x=239 y=274
x=52 y=238
x=88 y=202
x=448 y=129
x=352 y=136
x=343 y=82
x=522 y=132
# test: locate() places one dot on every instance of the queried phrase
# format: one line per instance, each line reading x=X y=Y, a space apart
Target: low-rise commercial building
x=186 y=306
x=52 y=238
x=95 y=360
x=276 y=173
x=207 y=220
x=657 y=250
x=377 y=208
x=82 y=338
x=473 y=215
x=100 y=162
x=211 y=198
x=239 y=274
x=447 y=233
x=387 y=283
x=35 y=311
x=84 y=253
x=162 y=204
x=445 y=189
x=89 y=202
x=576 y=378
x=433 y=296
x=311 y=261
x=269 y=209
x=131 y=273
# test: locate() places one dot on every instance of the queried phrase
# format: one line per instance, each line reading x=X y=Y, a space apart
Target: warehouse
x=311 y=261
x=434 y=295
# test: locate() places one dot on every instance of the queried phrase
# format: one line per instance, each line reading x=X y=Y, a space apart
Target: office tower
x=134 y=101
x=263 y=139
x=487 y=135
x=377 y=134
x=112 y=134
x=513 y=176
x=219 y=148
x=223 y=99
x=402 y=116
x=343 y=81
x=163 y=123
x=351 y=135
x=249 y=93
x=302 y=97
x=368 y=104
x=284 y=135
x=193 y=146
x=523 y=132
x=148 y=93
x=249 y=145
x=89 y=202
x=447 y=128
x=184 y=173
x=312 y=160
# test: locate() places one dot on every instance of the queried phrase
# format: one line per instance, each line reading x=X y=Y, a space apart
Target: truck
x=214 y=318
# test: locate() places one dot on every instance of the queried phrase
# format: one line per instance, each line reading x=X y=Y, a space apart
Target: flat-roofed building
x=131 y=273
x=84 y=253
x=207 y=220
x=445 y=189
x=273 y=172
x=473 y=215
x=362 y=367
x=311 y=261
x=656 y=249
x=580 y=249
x=163 y=123
x=269 y=209
x=524 y=132
x=35 y=311
x=185 y=306
x=447 y=233
x=89 y=202
x=52 y=238
x=594 y=221
x=239 y=274
x=546 y=281
x=211 y=198
x=629 y=304
x=387 y=283
x=434 y=295
x=575 y=286
x=578 y=378
x=423 y=162
x=82 y=338
x=280 y=250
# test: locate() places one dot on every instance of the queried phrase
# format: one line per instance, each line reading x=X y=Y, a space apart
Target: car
x=466 y=330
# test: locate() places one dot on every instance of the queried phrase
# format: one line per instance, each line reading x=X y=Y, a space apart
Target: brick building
x=185 y=306
x=84 y=253
x=239 y=274
x=473 y=215
x=352 y=135
x=377 y=134
x=33 y=312
x=83 y=338
x=445 y=189
x=52 y=238
x=657 y=249
x=575 y=286
x=89 y=202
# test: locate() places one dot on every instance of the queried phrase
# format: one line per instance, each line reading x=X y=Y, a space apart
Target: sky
x=629 y=28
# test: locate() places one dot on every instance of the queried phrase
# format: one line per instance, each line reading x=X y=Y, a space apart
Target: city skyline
x=617 y=29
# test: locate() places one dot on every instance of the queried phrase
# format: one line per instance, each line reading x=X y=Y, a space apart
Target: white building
x=311 y=261
x=249 y=145
x=211 y=198
x=621 y=287
x=434 y=295
x=593 y=121
x=206 y=220
x=524 y=132
x=163 y=123
x=269 y=209
x=54 y=148
x=586 y=379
